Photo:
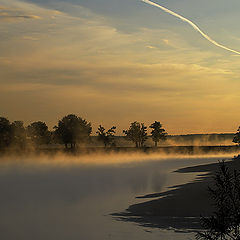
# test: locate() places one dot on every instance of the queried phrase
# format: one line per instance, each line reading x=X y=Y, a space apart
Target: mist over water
x=67 y=197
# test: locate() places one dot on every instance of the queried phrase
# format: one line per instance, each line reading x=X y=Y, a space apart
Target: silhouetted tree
x=5 y=132
x=18 y=134
x=224 y=224
x=236 y=138
x=106 y=136
x=73 y=130
x=136 y=133
x=158 y=132
x=38 y=133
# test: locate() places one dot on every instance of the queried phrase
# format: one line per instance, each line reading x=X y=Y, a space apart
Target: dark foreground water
x=45 y=200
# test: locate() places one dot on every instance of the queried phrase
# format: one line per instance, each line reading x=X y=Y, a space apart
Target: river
x=72 y=199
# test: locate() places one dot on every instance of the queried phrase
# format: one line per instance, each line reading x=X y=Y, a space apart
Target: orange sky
x=68 y=58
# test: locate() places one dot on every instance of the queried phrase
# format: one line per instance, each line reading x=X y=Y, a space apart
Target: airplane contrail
x=192 y=24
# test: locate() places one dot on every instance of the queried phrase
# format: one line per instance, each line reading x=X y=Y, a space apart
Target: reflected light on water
x=71 y=197
x=66 y=160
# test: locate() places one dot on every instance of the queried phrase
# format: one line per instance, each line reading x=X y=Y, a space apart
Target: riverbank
x=181 y=206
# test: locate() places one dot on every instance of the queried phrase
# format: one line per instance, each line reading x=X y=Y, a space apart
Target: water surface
x=46 y=201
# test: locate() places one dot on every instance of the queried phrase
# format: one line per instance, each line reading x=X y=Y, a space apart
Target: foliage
x=136 y=133
x=225 y=222
x=18 y=134
x=158 y=132
x=72 y=130
x=38 y=133
x=5 y=132
x=236 y=138
x=106 y=136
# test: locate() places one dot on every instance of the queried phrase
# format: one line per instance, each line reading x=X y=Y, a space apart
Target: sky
x=113 y=62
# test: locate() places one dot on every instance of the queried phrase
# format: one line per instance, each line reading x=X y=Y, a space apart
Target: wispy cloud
x=193 y=25
x=150 y=47
x=30 y=38
x=116 y=74
x=8 y=14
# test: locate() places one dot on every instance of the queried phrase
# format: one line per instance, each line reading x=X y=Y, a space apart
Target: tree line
x=72 y=131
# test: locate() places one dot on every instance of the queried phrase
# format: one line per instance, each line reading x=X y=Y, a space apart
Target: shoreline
x=181 y=206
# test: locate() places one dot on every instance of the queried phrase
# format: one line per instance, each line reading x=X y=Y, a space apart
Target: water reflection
x=74 y=202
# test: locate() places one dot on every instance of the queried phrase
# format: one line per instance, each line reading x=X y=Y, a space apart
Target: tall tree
x=224 y=224
x=158 y=132
x=236 y=138
x=72 y=130
x=106 y=136
x=38 y=133
x=136 y=133
x=5 y=132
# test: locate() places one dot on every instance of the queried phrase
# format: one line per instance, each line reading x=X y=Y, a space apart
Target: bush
x=225 y=222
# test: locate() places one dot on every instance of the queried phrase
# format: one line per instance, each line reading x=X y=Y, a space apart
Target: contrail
x=192 y=24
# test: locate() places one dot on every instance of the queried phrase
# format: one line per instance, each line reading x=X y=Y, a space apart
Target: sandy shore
x=181 y=206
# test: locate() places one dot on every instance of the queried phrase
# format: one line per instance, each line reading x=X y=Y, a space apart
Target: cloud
x=30 y=38
x=150 y=47
x=192 y=25
x=10 y=15
x=86 y=66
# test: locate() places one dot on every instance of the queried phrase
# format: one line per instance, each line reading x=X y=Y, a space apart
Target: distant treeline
x=202 y=139
x=72 y=131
